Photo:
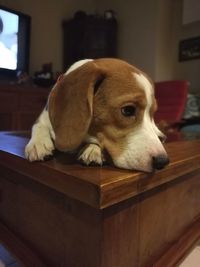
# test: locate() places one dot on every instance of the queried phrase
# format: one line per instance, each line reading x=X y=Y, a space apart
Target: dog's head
x=112 y=102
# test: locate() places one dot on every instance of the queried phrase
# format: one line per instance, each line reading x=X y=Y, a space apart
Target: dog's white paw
x=38 y=149
x=92 y=154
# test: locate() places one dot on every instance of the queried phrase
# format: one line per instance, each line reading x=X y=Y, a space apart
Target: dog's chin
x=140 y=169
x=134 y=167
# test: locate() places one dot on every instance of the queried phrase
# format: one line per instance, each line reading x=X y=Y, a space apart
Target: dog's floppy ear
x=71 y=105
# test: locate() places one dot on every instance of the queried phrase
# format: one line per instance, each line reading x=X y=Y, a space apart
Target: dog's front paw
x=92 y=155
x=39 y=149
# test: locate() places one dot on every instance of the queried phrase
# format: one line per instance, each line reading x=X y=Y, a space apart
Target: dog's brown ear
x=71 y=106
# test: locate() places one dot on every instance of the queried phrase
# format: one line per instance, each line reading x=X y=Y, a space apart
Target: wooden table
x=59 y=213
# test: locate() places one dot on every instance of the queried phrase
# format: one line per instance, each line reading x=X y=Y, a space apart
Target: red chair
x=171 y=98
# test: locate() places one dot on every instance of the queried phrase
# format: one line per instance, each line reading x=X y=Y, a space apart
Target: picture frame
x=189 y=49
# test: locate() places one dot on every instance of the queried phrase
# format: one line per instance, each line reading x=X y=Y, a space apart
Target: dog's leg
x=41 y=143
x=92 y=154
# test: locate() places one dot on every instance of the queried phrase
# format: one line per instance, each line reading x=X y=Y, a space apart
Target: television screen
x=14 y=41
x=9 y=27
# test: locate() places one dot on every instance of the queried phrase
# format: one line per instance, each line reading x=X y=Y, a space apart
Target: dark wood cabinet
x=88 y=37
x=61 y=214
x=20 y=105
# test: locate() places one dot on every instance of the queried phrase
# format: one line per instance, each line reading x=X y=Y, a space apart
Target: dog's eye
x=128 y=111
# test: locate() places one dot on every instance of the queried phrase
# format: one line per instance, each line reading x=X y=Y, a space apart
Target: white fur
x=41 y=142
x=92 y=154
x=42 y=139
x=143 y=143
x=77 y=65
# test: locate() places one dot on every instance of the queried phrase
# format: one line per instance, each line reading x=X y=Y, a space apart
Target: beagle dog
x=101 y=107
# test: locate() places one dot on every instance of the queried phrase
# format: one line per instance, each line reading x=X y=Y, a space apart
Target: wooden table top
x=99 y=187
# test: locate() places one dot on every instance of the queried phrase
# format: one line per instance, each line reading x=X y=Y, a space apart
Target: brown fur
x=70 y=106
x=75 y=111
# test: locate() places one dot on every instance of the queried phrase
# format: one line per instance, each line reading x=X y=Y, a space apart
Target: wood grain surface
x=68 y=215
x=99 y=187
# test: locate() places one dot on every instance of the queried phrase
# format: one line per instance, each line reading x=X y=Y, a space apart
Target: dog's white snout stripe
x=143 y=144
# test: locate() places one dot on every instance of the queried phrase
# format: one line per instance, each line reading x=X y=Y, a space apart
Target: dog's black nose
x=160 y=162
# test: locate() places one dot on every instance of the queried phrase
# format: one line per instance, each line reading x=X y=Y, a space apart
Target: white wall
x=137 y=22
x=191 y=11
x=164 y=41
x=137 y=35
x=189 y=70
x=46 y=30
x=149 y=33
x=145 y=34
